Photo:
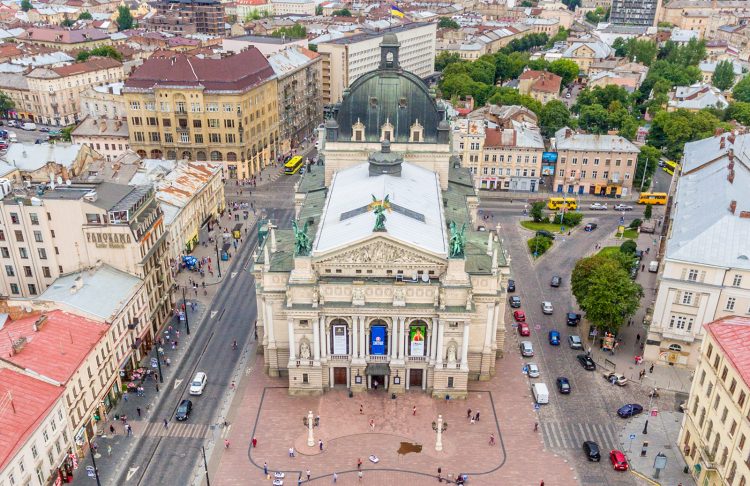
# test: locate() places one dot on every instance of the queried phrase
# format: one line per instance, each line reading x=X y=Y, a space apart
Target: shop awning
x=377 y=369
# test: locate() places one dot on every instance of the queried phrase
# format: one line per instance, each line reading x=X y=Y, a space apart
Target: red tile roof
x=93 y=64
x=24 y=403
x=57 y=349
x=732 y=334
x=544 y=81
x=242 y=71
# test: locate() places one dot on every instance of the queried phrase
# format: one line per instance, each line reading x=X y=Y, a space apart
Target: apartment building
x=103 y=101
x=715 y=430
x=346 y=59
x=594 y=164
x=65 y=39
x=543 y=86
x=223 y=110
x=634 y=12
x=705 y=271
x=294 y=7
x=187 y=17
x=298 y=72
x=55 y=92
x=110 y=138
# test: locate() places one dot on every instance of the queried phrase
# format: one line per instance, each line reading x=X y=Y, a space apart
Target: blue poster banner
x=377 y=337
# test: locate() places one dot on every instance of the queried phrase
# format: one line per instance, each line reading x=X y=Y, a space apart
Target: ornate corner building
x=386 y=280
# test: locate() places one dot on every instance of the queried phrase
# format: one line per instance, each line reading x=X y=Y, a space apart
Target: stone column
x=465 y=347
x=362 y=337
x=355 y=340
x=292 y=350
x=488 y=327
x=269 y=325
x=263 y=320
x=316 y=342
x=323 y=337
x=402 y=338
x=439 y=349
x=393 y=338
x=494 y=326
x=433 y=339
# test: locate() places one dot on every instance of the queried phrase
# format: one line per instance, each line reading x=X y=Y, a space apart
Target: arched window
x=200 y=155
x=186 y=155
x=675 y=347
x=215 y=155
x=231 y=157
x=416 y=132
x=141 y=154
x=171 y=154
x=156 y=154
x=358 y=132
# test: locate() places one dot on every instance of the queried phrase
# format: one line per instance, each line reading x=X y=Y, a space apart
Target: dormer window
x=386 y=132
x=358 y=132
x=416 y=132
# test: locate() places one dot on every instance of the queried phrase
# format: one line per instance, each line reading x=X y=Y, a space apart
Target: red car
x=618 y=460
x=523 y=329
x=519 y=316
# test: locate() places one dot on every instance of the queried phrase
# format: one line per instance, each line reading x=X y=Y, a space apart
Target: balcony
x=417 y=359
x=378 y=358
x=339 y=357
x=708 y=457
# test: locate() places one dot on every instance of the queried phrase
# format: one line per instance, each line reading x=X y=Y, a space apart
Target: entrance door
x=339 y=376
x=415 y=378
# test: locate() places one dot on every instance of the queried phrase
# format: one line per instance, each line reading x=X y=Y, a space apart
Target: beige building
x=543 y=86
x=103 y=101
x=294 y=7
x=65 y=39
x=397 y=301
x=110 y=138
x=222 y=110
x=715 y=430
x=587 y=53
x=593 y=164
x=705 y=275
x=348 y=58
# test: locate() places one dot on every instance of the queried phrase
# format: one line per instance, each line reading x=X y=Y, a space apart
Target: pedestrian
x=291 y=452
x=255 y=442
x=308 y=474
x=637 y=337
x=476 y=417
x=157 y=388
x=414 y=410
x=359 y=463
x=125 y=396
x=492 y=439
x=169 y=361
x=542 y=483
x=359 y=475
x=536 y=426
x=651 y=368
x=468 y=414
x=226 y=443
x=139 y=411
x=166 y=423
x=372 y=425
x=320 y=445
x=109 y=450
x=265 y=468
x=130 y=430
x=335 y=477
x=440 y=474
x=361 y=410
x=111 y=429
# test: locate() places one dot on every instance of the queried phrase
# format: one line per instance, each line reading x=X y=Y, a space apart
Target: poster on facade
x=417 y=335
x=339 y=339
x=377 y=340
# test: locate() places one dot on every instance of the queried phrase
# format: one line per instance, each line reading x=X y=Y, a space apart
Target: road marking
x=234 y=274
x=213 y=313
x=131 y=471
x=177 y=383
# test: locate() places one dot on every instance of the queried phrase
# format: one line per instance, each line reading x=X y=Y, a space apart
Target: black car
x=590 y=227
x=563 y=385
x=586 y=362
x=546 y=234
x=556 y=281
x=511 y=285
x=573 y=319
x=515 y=301
x=591 y=449
x=183 y=410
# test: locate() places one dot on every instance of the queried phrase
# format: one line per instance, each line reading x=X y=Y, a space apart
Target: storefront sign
x=416 y=339
x=377 y=343
x=339 y=339
x=109 y=240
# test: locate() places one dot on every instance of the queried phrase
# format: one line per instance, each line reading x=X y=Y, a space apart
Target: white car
x=623 y=207
x=575 y=342
x=547 y=307
x=533 y=370
x=198 y=383
x=598 y=207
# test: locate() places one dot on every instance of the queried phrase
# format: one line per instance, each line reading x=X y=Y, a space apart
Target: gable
x=379 y=254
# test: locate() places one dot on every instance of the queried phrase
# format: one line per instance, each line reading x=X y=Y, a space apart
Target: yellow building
x=222 y=110
x=714 y=433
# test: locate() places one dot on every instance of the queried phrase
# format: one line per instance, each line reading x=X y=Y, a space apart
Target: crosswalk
x=572 y=435
x=176 y=429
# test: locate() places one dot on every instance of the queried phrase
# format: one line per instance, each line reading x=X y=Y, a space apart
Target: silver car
x=533 y=370
x=527 y=349
x=575 y=342
x=547 y=307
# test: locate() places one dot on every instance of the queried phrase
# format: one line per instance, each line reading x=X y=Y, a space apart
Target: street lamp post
x=650 y=400
x=310 y=423
x=93 y=461
x=439 y=427
x=184 y=306
x=159 y=350
x=218 y=260
x=205 y=465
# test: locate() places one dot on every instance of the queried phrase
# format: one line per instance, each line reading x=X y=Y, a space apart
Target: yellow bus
x=556 y=203
x=653 y=198
x=671 y=167
x=293 y=165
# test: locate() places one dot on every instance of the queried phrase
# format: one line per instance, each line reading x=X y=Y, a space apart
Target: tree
x=670 y=131
x=739 y=111
x=6 y=104
x=445 y=58
x=594 y=119
x=102 y=51
x=537 y=211
x=319 y=10
x=572 y=4
x=723 y=76
x=648 y=160
x=566 y=69
x=554 y=116
x=741 y=91
x=635 y=223
x=297 y=31
x=448 y=23
x=538 y=245
x=597 y=15
x=509 y=66
x=344 y=12
x=562 y=35
x=67 y=23
x=124 y=18
x=647 y=212
x=510 y=96
x=85 y=15
x=629 y=247
x=620 y=46
x=26 y=5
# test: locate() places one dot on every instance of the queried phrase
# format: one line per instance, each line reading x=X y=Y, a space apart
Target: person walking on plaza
x=359 y=475
x=308 y=474
x=492 y=439
x=359 y=464
x=166 y=423
x=109 y=450
x=440 y=474
x=265 y=469
x=130 y=430
x=291 y=452
x=138 y=409
x=414 y=410
x=476 y=417
x=320 y=445
x=361 y=410
x=111 y=429
x=335 y=477
x=255 y=442
x=468 y=414
x=651 y=368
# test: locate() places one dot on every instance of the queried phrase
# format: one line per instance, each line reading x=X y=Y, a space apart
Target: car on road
x=533 y=370
x=575 y=342
x=554 y=337
x=547 y=307
x=511 y=285
x=519 y=316
x=573 y=319
x=556 y=281
x=623 y=207
x=586 y=362
x=616 y=378
x=523 y=329
x=598 y=207
x=629 y=410
x=546 y=234
x=44 y=129
x=12 y=123
x=183 y=410
x=515 y=301
x=618 y=460
x=590 y=227
x=591 y=449
x=198 y=383
x=563 y=385
x=527 y=349
x=3 y=145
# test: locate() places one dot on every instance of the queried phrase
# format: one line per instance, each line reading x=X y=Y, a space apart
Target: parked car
x=183 y=410
x=590 y=227
x=519 y=316
x=573 y=319
x=523 y=329
x=546 y=234
x=575 y=342
x=533 y=370
x=12 y=123
x=3 y=145
x=598 y=207
x=547 y=307
x=618 y=460
x=623 y=207
x=44 y=129
x=563 y=385
x=586 y=362
x=511 y=285
x=556 y=281
x=629 y=410
x=554 y=337
x=616 y=378
x=28 y=126
x=527 y=349
x=591 y=449
x=515 y=301
x=198 y=383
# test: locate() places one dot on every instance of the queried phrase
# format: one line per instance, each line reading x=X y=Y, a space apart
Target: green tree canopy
x=594 y=118
x=670 y=131
x=510 y=96
x=124 y=18
x=67 y=23
x=26 y=5
x=723 y=77
x=445 y=58
x=741 y=91
x=566 y=69
x=629 y=247
x=344 y=12
x=448 y=23
x=102 y=51
x=85 y=15
x=6 y=104
x=648 y=160
x=740 y=111
x=553 y=116
x=604 y=97
x=509 y=65
x=537 y=211
x=597 y=15
x=572 y=4
x=297 y=31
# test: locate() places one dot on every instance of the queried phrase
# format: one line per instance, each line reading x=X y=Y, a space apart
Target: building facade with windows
x=635 y=12
x=706 y=267
x=221 y=110
x=187 y=17
x=715 y=434
x=594 y=164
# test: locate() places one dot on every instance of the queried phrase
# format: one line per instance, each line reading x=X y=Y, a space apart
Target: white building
x=706 y=268
x=294 y=7
x=103 y=101
x=695 y=98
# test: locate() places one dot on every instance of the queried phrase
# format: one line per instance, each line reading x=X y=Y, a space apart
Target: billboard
x=417 y=333
x=339 y=339
x=549 y=158
x=377 y=340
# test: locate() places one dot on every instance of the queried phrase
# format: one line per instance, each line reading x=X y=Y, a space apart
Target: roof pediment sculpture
x=381 y=252
x=302 y=243
x=379 y=207
x=457 y=240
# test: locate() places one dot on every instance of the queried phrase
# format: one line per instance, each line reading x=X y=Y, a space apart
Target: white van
x=198 y=383
x=653 y=267
x=541 y=394
x=28 y=126
x=12 y=137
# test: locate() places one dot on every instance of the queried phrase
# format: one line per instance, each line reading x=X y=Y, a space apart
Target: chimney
x=77 y=285
x=730 y=138
x=745 y=214
x=721 y=143
x=718 y=131
x=39 y=322
x=568 y=133
x=730 y=178
x=732 y=206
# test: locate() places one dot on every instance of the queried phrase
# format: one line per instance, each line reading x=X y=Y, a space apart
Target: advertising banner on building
x=549 y=159
x=417 y=335
x=339 y=339
x=377 y=343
